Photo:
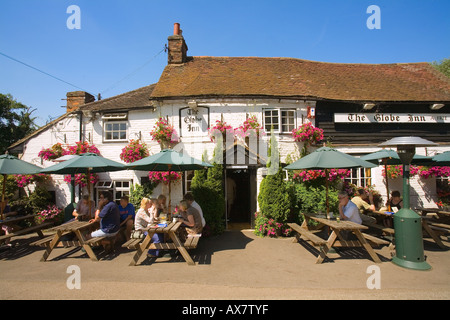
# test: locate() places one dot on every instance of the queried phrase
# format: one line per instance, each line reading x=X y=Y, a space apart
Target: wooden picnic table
x=176 y=244
x=434 y=226
x=33 y=228
x=80 y=228
x=336 y=238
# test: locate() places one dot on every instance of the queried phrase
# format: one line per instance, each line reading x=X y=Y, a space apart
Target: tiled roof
x=135 y=99
x=288 y=77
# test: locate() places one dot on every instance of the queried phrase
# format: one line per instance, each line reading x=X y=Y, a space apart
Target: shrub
x=275 y=197
x=312 y=198
x=137 y=192
x=208 y=192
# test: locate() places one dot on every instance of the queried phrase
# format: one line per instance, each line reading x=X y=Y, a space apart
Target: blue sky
x=124 y=39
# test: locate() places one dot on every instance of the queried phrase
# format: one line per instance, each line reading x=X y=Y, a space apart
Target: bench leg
x=324 y=249
x=367 y=246
x=181 y=248
x=140 y=250
x=49 y=248
x=432 y=234
x=86 y=247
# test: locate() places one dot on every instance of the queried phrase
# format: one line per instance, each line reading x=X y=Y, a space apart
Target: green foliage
x=311 y=198
x=137 y=192
x=206 y=186
x=275 y=197
x=443 y=66
x=15 y=121
x=37 y=201
x=11 y=186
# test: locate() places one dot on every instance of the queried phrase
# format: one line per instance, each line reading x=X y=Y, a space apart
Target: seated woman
x=145 y=216
x=395 y=202
x=191 y=218
x=161 y=205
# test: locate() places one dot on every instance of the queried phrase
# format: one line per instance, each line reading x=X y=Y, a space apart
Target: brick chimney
x=77 y=98
x=177 y=46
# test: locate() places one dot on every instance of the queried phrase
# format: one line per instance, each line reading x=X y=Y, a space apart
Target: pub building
x=358 y=106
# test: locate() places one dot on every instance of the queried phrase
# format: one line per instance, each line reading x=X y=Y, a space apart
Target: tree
x=443 y=66
x=16 y=121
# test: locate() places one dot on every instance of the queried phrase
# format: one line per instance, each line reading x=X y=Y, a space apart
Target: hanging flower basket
x=250 y=127
x=81 y=147
x=134 y=151
x=52 y=153
x=308 y=134
x=164 y=133
x=164 y=176
x=220 y=128
x=81 y=179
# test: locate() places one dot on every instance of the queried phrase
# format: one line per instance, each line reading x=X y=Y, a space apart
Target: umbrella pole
x=89 y=192
x=3 y=196
x=326 y=186
x=387 y=180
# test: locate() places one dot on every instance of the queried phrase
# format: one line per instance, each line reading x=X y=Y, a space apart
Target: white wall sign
x=392 y=118
x=194 y=122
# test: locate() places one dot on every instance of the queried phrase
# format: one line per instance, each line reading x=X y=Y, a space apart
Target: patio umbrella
x=442 y=159
x=168 y=160
x=12 y=165
x=390 y=157
x=86 y=163
x=328 y=158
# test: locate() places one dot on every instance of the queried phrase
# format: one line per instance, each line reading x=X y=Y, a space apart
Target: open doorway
x=241 y=199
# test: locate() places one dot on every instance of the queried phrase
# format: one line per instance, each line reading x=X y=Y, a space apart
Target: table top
x=342 y=225
x=15 y=219
x=72 y=226
x=382 y=213
x=172 y=226
x=433 y=210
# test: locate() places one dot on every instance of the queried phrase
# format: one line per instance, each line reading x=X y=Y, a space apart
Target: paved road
x=235 y=265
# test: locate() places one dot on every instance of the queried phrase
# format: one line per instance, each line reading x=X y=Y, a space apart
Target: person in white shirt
x=191 y=201
x=347 y=209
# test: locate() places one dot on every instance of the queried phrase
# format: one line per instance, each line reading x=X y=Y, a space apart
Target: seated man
x=109 y=216
x=360 y=199
x=348 y=211
x=127 y=214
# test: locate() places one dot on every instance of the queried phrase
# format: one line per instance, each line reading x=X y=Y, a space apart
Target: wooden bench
x=387 y=230
x=190 y=243
x=300 y=231
x=374 y=240
x=35 y=228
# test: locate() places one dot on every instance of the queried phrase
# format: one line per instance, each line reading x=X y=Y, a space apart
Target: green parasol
x=12 y=165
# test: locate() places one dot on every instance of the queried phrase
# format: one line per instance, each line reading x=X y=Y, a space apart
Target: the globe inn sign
x=391 y=118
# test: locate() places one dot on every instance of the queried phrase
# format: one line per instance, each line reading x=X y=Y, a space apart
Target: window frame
x=280 y=116
x=112 y=122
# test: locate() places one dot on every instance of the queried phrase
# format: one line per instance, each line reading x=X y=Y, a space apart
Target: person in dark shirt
x=109 y=216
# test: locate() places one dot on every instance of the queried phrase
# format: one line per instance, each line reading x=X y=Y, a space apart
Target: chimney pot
x=176 y=29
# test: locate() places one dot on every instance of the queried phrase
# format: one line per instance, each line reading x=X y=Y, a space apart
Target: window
x=117 y=188
x=282 y=120
x=360 y=177
x=115 y=131
x=187 y=177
